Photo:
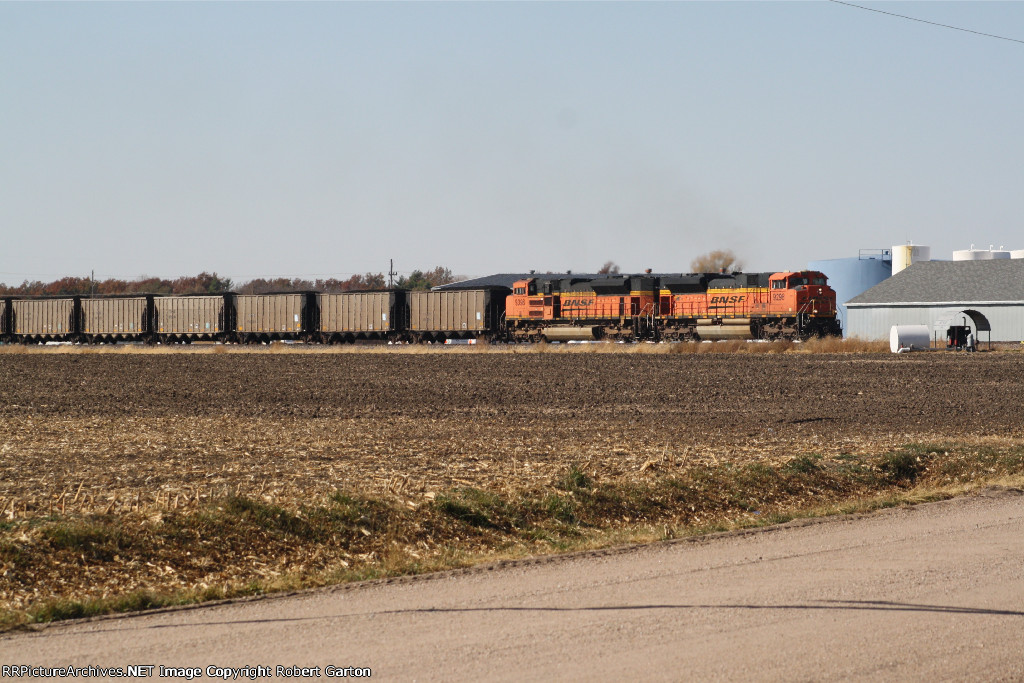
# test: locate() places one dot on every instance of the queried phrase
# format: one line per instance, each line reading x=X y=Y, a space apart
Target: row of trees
x=417 y=279
x=204 y=283
x=211 y=283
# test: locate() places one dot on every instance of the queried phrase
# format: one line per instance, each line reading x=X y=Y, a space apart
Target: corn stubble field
x=131 y=478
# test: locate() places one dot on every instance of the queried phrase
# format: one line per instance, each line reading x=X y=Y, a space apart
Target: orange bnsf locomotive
x=580 y=308
x=700 y=306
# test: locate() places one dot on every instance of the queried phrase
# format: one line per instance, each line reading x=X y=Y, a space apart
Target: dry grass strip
x=82 y=554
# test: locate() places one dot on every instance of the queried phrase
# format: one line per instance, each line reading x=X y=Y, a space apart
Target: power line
x=924 y=21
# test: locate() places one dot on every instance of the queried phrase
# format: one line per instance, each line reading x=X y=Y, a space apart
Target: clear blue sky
x=320 y=139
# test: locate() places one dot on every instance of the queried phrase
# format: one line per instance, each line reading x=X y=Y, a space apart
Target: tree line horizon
x=212 y=283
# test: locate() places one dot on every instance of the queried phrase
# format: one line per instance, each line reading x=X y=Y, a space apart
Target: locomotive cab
x=525 y=302
x=814 y=296
x=807 y=296
x=525 y=288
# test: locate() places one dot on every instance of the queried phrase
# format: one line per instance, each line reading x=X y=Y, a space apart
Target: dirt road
x=934 y=592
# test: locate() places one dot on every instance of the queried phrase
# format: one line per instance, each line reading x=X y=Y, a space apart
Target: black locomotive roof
x=752 y=279
x=508 y=279
x=739 y=280
x=685 y=284
x=569 y=282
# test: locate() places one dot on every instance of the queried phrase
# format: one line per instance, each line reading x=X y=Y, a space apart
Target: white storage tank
x=905 y=254
x=909 y=338
x=1017 y=253
x=972 y=254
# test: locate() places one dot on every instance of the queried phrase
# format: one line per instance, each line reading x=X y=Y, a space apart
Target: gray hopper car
x=113 y=319
x=42 y=320
x=192 y=318
x=456 y=314
x=352 y=316
x=5 y=318
x=267 y=317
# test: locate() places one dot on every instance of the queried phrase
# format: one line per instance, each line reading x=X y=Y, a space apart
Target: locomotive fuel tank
x=564 y=333
x=729 y=329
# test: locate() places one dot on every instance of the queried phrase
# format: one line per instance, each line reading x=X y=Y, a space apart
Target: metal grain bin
x=116 y=317
x=456 y=312
x=43 y=319
x=201 y=317
x=365 y=313
x=274 y=316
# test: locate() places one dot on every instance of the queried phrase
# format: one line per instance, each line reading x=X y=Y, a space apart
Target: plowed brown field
x=126 y=472
x=106 y=428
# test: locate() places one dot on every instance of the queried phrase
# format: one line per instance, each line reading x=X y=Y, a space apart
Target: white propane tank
x=909 y=338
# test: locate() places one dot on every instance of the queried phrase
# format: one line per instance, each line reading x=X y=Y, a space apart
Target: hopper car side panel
x=456 y=314
x=113 y=319
x=353 y=316
x=35 y=321
x=193 y=318
x=263 y=318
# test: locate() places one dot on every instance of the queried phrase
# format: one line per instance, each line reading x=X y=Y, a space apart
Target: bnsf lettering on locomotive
x=734 y=299
x=578 y=302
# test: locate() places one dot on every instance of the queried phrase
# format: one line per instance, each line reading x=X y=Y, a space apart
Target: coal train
x=693 y=307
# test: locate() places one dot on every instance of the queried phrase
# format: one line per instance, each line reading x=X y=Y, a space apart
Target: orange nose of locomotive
x=817 y=298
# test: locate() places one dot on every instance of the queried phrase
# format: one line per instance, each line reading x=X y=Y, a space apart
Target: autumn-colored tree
x=277 y=284
x=211 y=283
x=144 y=285
x=719 y=260
x=62 y=287
x=367 y=281
x=204 y=283
x=416 y=280
x=609 y=268
x=425 y=280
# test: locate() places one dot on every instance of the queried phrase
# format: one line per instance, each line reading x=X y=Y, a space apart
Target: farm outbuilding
x=984 y=296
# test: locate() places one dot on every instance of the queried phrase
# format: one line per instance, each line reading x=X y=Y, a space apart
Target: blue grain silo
x=851 y=276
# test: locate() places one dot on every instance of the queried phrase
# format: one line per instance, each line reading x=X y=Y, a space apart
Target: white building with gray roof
x=987 y=296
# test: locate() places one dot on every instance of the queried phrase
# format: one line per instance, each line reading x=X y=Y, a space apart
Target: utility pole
x=391 y=274
x=92 y=284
